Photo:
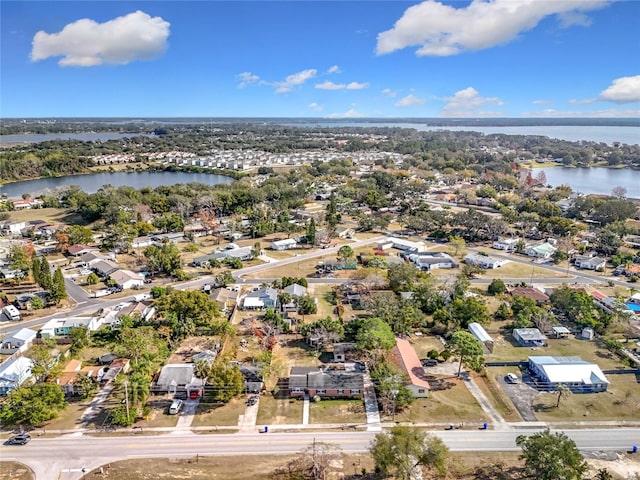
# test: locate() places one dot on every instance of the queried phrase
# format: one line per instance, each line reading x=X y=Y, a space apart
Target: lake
x=91 y=182
x=86 y=137
x=594 y=180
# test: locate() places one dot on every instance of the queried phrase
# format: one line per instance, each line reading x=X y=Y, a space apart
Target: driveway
x=522 y=396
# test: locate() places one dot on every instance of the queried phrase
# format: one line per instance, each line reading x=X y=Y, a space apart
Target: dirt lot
x=15 y=471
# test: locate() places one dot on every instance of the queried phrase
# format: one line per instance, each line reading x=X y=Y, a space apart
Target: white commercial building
x=578 y=375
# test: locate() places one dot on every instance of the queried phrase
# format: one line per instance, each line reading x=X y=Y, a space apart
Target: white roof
x=286 y=241
x=14 y=368
x=24 y=334
x=253 y=302
x=569 y=370
x=479 y=332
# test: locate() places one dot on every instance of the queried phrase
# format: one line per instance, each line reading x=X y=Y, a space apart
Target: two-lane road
x=49 y=457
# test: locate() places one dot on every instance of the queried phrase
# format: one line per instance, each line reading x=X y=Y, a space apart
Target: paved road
x=74 y=452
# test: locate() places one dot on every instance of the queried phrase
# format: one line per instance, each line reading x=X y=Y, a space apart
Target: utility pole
x=126 y=398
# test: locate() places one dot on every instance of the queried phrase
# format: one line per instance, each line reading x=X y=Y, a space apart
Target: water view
x=91 y=182
x=594 y=180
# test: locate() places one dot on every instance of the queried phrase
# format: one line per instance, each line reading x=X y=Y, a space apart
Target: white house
x=544 y=250
x=13 y=227
x=506 y=244
x=13 y=373
x=483 y=261
x=126 y=279
x=285 y=244
x=17 y=341
x=433 y=260
x=407 y=245
x=62 y=326
x=590 y=262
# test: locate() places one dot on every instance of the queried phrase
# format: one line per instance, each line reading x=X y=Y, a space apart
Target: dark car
x=21 y=439
x=429 y=362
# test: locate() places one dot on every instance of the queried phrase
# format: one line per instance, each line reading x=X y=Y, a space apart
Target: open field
x=279 y=411
x=521 y=270
x=15 y=471
x=51 y=215
x=337 y=411
x=219 y=414
x=302 y=268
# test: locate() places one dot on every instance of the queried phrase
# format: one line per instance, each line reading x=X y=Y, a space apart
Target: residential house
x=407 y=245
x=127 y=279
x=295 y=290
x=428 y=261
x=483 y=261
x=13 y=373
x=243 y=253
x=13 y=227
x=104 y=268
x=17 y=341
x=578 y=375
x=345 y=232
x=173 y=237
x=142 y=242
x=544 y=250
x=405 y=357
x=590 y=262
x=506 y=244
x=62 y=326
x=322 y=382
x=226 y=298
x=206 y=260
x=529 y=337
x=177 y=377
x=72 y=370
x=116 y=367
x=140 y=310
x=253 y=382
x=79 y=250
x=530 y=292
x=285 y=244
x=91 y=258
x=481 y=334
x=261 y=298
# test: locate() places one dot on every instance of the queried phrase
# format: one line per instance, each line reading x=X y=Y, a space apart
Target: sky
x=329 y=58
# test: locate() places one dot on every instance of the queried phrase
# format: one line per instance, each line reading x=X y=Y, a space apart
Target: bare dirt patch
x=15 y=471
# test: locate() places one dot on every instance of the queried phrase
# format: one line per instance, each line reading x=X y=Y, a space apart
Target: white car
x=511 y=378
x=85 y=271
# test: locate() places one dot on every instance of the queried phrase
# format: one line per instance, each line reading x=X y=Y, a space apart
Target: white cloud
x=357 y=86
x=442 y=30
x=389 y=93
x=294 y=80
x=341 y=86
x=86 y=43
x=330 y=86
x=622 y=90
x=582 y=114
x=542 y=102
x=469 y=103
x=316 y=106
x=586 y=101
x=409 y=101
x=334 y=69
x=247 y=78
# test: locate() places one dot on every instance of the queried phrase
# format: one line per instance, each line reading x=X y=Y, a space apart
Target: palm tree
x=201 y=369
x=563 y=392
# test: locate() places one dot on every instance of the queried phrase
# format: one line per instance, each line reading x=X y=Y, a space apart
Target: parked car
x=175 y=407
x=20 y=439
x=194 y=394
x=511 y=378
x=429 y=362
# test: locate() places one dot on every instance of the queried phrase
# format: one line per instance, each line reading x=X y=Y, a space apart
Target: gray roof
x=270 y=292
x=335 y=379
x=176 y=374
x=23 y=334
x=529 y=334
x=295 y=290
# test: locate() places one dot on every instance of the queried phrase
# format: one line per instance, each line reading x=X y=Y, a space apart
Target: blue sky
x=498 y=58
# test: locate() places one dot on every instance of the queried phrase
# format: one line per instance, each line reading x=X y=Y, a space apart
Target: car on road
x=511 y=378
x=21 y=439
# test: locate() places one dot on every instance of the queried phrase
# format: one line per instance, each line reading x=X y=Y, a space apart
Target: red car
x=194 y=394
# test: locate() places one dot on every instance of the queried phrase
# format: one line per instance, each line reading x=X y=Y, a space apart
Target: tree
x=551 y=456
x=139 y=344
x=225 y=380
x=306 y=305
x=496 y=287
x=375 y=334
x=35 y=269
x=163 y=259
x=92 y=279
x=19 y=260
x=457 y=243
x=345 y=254
x=402 y=277
x=80 y=339
x=315 y=462
x=184 y=307
x=32 y=405
x=85 y=386
x=36 y=302
x=563 y=392
x=469 y=349
x=45 y=274
x=311 y=232
x=332 y=217
x=469 y=310
x=58 y=290
x=224 y=278
x=44 y=366
x=400 y=452
x=77 y=234
x=603 y=474
x=619 y=192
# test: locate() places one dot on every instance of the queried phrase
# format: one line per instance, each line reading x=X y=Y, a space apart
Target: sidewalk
x=371 y=405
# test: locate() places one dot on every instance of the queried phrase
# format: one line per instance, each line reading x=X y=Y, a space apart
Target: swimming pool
x=633 y=307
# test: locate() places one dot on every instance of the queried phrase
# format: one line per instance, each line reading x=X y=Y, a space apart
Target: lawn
x=337 y=411
x=452 y=404
x=521 y=270
x=496 y=396
x=424 y=344
x=302 y=268
x=620 y=402
x=297 y=353
x=51 y=215
x=279 y=411
x=223 y=414
x=69 y=418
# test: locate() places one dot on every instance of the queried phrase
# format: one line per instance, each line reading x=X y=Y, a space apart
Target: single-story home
x=253 y=382
x=80 y=249
x=433 y=260
x=314 y=381
x=295 y=290
x=243 y=253
x=285 y=244
x=13 y=373
x=544 y=250
x=481 y=334
x=407 y=245
x=142 y=242
x=589 y=262
x=104 y=268
x=17 y=341
x=261 y=298
x=506 y=244
x=345 y=232
x=529 y=337
x=72 y=370
x=405 y=357
x=578 y=375
x=13 y=227
x=116 y=367
x=127 y=279
x=342 y=351
x=484 y=261
x=226 y=298
x=177 y=377
x=62 y=326
x=206 y=260
x=530 y=292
